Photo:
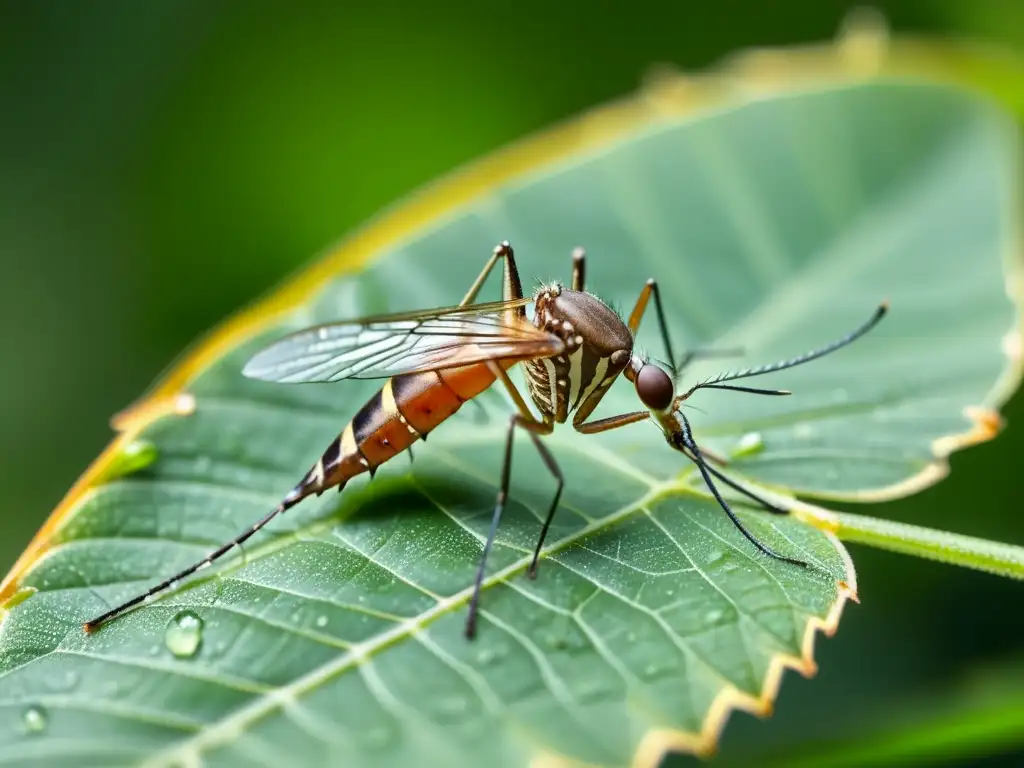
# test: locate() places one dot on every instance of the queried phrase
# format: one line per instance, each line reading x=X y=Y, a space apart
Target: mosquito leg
x=612 y=422
x=579 y=272
x=524 y=420
x=535 y=428
x=289 y=501
x=651 y=288
x=511 y=286
x=684 y=439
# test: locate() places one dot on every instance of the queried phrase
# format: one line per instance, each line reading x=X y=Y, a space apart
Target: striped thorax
x=598 y=346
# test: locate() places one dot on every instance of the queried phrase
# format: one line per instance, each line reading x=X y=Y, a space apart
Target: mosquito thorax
x=598 y=346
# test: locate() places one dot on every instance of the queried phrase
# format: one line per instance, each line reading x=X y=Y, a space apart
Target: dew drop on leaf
x=185 y=404
x=713 y=615
x=750 y=444
x=714 y=557
x=184 y=634
x=34 y=719
x=491 y=654
x=135 y=456
x=321 y=621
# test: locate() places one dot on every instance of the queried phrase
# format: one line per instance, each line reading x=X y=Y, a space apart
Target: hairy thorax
x=598 y=345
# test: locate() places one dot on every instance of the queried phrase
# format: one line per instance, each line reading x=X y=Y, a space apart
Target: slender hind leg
x=579 y=271
x=511 y=286
x=526 y=421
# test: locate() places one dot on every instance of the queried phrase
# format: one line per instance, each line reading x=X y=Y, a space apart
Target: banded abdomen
x=405 y=409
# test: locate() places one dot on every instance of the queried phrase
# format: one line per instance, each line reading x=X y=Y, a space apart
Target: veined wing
x=406 y=342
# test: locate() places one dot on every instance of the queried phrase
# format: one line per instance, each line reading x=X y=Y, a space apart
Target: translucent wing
x=387 y=345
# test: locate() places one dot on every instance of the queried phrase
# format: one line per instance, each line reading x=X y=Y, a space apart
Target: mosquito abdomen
x=404 y=410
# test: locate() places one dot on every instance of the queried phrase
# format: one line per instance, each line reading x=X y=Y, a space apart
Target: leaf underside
x=776 y=225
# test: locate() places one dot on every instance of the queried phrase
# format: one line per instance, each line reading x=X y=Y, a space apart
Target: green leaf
x=968 y=551
x=776 y=221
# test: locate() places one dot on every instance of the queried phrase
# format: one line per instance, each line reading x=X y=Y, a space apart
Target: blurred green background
x=164 y=163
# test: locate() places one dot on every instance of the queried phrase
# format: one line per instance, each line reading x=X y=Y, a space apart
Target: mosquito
x=436 y=360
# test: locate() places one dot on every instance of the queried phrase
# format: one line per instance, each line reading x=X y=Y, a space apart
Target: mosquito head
x=653 y=384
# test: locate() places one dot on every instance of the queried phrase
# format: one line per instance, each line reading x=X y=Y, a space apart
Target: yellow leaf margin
x=862 y=51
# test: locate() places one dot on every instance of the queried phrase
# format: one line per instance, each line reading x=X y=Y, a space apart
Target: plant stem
x=953 y=548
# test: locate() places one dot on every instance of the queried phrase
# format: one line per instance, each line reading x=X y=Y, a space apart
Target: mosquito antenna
x=704 y=353
x=293 y=498
x=685 y=440
x=751 y=390
x=800 y=359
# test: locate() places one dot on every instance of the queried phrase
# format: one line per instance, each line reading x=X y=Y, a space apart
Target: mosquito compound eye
x=654 y=387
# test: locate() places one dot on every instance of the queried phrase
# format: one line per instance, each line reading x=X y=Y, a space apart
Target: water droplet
x=748 y=445
x=321 y=621
x=184 y=634
x=34 y=719
x=185 y=404
x=70 y=680
x=489 y=655
x=138 y=454
x=713 y=615
x=154 y=649
x=714 y=557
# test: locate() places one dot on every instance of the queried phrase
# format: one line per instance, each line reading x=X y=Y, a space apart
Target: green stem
x=953 y=548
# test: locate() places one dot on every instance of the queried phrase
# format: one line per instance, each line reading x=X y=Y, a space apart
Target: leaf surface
x=776 y=223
